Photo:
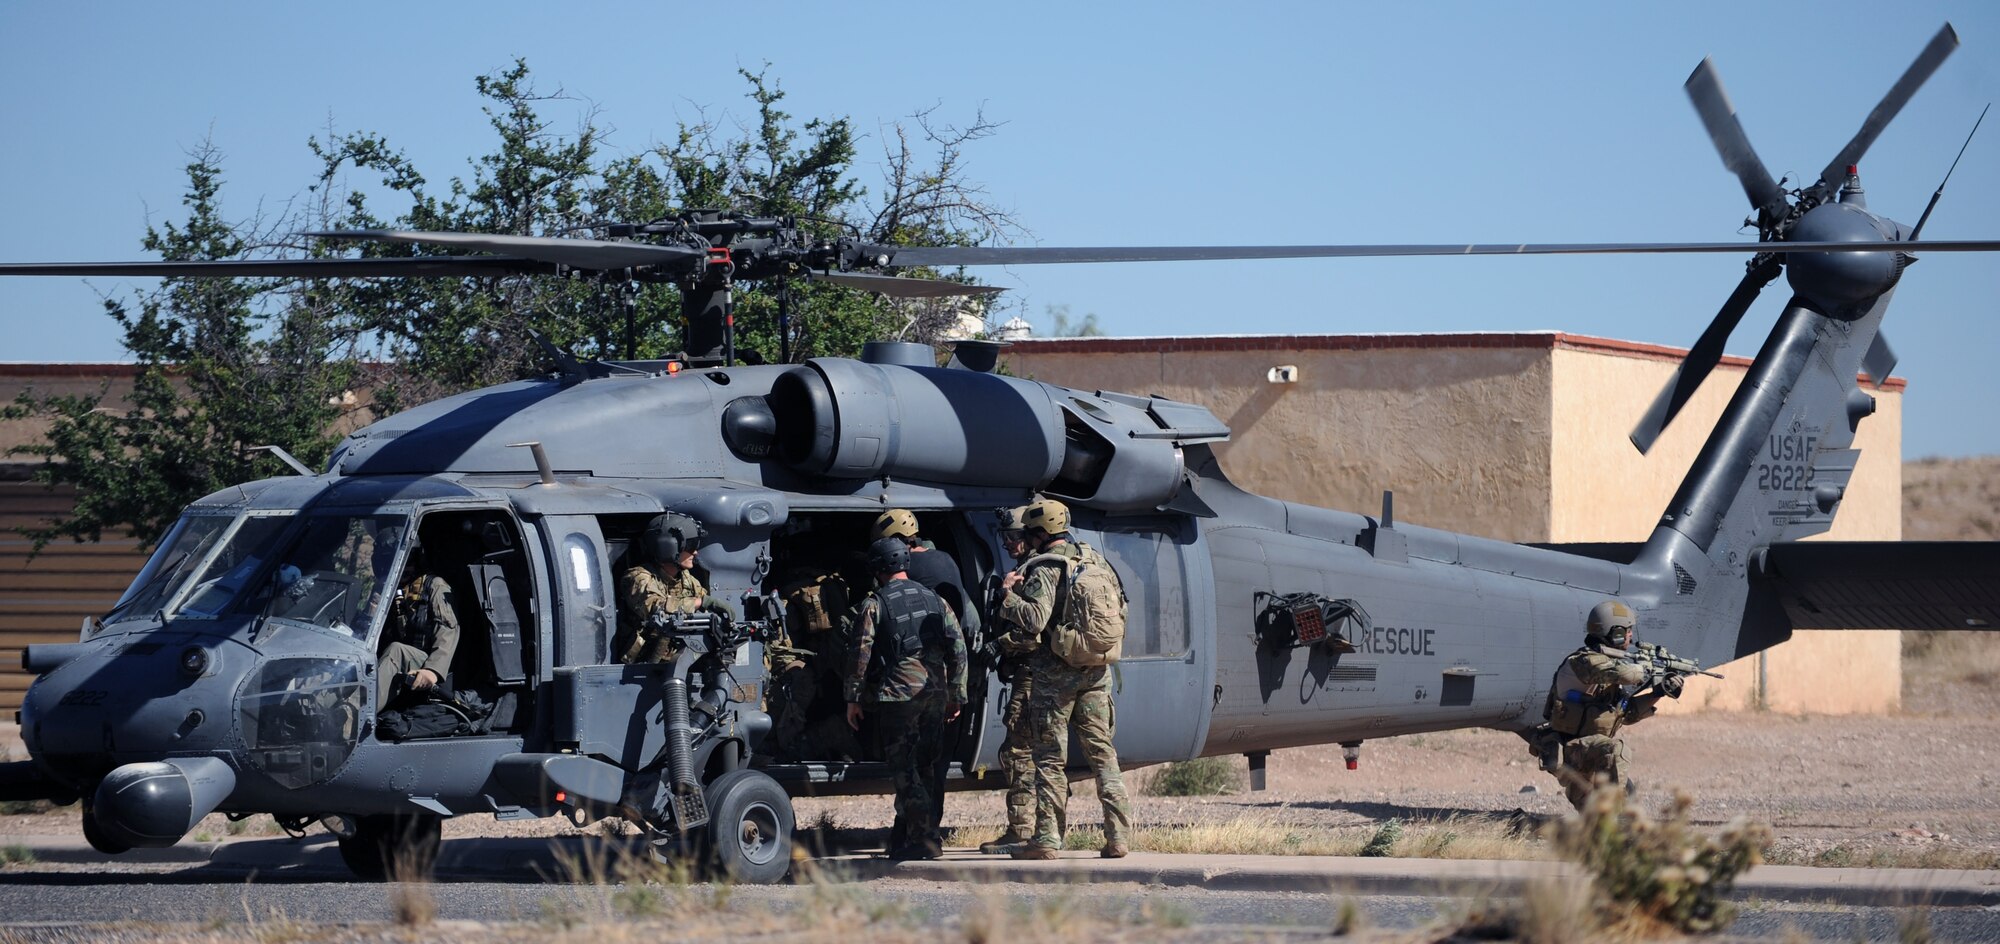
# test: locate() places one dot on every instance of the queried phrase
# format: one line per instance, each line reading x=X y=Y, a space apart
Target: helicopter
x=238 y=672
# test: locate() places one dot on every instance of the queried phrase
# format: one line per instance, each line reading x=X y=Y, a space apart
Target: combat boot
x=1115 y=849
x=1006 y=843
x=1034 y=850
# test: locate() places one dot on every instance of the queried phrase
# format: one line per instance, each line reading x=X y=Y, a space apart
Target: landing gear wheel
x=749 y=827
x=396 y=847
x=94 y=834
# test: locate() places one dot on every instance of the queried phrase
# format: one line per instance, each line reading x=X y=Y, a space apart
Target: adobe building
x=1519 y=437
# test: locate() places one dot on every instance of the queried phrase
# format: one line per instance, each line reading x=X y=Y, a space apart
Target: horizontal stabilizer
x=1887 y=584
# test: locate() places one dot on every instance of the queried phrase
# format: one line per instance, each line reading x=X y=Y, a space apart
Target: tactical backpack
x=1088 y=627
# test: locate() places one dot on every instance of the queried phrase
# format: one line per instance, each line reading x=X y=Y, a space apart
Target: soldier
x=666 y=585
x=1593 y=695
x=936 y=570
x=1017 y=756
x=1062 y=695
x=907 y=669
x=422 y=633
x=805 y=667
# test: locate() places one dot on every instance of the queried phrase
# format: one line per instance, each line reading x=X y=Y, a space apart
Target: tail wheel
x=395 y=847
x=750 y=827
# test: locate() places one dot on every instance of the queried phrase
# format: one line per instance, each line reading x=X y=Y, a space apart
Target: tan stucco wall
x=1525 y=443
x=1606 y=491
x=1460 y=434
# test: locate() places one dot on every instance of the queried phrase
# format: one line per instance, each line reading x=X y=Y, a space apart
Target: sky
x=1159 y=123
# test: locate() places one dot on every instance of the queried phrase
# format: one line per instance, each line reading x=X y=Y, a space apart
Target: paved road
x=46 y=901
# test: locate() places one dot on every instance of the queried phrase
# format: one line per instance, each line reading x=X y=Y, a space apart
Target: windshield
x=202 y=550
x=234 y=565
x=332 y=574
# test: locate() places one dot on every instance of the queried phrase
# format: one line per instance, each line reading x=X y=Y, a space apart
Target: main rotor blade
x=1718 y=115
x=1702 y=358
x=1934 y=55
x=1038 y=255
x=900 y=287
x=447 y=267
x=596 y=254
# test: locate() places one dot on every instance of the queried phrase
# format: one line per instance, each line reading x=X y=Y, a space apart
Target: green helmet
x=1047 y=516
x=894 y=523
x=1614 y=622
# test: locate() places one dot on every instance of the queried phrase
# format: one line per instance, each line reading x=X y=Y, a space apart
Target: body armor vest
x=416 y=624
x=907 y=608
x=1573 y=705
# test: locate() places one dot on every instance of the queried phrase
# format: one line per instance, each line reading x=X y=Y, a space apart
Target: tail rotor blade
x=1934 y=55
x=1718 y=115
x=1706 y=353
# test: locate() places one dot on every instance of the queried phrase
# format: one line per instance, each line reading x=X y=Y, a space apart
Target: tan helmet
x=1047 y=516
x=1614 y=621
x=1012 y=519
x=894 y=523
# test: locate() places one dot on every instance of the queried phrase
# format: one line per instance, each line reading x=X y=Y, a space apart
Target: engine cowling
x=848 y=419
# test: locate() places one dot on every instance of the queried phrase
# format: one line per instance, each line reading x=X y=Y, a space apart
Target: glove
x=720 y=608
x=1673 y=685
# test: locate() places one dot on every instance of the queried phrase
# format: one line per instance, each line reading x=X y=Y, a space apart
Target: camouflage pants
x=1587 y=757
x=1062 y=697
x=398 y=658
x=910 y=745
x=1017 y=761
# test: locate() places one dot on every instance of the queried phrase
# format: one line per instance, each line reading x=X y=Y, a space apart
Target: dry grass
x=1451 y=838
x=1929 y=855
x=1952 y=499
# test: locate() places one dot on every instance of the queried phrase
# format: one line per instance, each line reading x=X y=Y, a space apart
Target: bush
x=1660 y=868
x=1384 y=840
x=1203 y=776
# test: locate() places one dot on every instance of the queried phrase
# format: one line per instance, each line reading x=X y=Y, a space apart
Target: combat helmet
x=888 y=556
x=1613 y=622
x=894 y=523
x=668 y=535
x=1012 y=519
x=1047 y=516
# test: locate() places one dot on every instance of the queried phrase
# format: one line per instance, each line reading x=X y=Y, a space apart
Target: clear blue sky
x=1139 y=123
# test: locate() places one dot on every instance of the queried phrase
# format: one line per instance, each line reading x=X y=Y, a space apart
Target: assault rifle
x=1664 y=670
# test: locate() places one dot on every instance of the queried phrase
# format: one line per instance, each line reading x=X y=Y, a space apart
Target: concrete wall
x=1520 y=437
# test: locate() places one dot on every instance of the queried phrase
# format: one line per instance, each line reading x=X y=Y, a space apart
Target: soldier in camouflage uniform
x=804 y=667
x=1061 y=695
x=1017 y=754
x=1592 y=696
x=666 y=585
x=422 y=633
x=907 y=671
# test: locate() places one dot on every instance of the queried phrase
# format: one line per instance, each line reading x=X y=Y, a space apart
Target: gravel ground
x=1920 y=782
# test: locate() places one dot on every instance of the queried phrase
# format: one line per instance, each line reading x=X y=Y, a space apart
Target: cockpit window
x=334 y=574
x=203 y=550
x=233 y=567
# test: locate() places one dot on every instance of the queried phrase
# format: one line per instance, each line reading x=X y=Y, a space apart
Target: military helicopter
x=237 y=674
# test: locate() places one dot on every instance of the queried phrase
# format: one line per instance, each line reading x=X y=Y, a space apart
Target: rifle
x=1664 y=670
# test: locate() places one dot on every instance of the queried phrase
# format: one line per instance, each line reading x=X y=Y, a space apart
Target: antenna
x=1947 y=174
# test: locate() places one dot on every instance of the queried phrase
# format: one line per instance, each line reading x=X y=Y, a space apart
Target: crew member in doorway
x=662 y=585
x=422 y=633
x=936 y=570
x=1595 y=692
x=907 y=670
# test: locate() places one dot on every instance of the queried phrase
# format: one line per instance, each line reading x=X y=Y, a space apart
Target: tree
x=1063 y=326
x=227 y=365
x=455 y=334
x=223 y=366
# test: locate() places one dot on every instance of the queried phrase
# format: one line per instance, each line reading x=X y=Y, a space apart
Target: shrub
x=1660 y=868
x=1203 y=776
x=1384 y=839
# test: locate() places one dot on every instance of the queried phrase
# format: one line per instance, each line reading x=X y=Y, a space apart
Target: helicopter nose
x=155 y=804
